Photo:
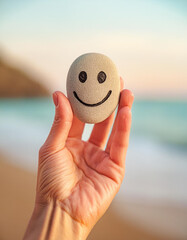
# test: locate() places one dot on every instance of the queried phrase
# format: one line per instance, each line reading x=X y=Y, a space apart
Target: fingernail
x=55 y=99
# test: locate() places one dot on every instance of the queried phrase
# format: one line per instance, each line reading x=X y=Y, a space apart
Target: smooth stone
x=93 y=87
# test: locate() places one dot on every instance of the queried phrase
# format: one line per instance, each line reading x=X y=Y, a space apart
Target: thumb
x=62 y=123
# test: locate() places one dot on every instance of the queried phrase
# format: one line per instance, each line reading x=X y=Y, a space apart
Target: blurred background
x=147 y=39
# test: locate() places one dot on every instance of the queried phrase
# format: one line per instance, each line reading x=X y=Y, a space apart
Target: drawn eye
x=101 y=77
x=82 y=76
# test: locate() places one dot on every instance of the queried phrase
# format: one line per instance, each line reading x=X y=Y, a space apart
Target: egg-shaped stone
x=93 y=87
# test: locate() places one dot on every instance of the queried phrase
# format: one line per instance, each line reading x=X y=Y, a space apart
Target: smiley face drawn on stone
x=101 y=77
x=93 y=87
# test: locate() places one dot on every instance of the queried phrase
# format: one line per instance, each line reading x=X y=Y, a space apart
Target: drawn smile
x=94 y=104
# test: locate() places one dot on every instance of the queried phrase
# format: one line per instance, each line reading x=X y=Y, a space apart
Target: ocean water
x=156 y=163
x=165 y=122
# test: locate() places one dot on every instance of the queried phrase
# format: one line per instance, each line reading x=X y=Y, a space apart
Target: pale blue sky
x=90 y=17
x=146 y=38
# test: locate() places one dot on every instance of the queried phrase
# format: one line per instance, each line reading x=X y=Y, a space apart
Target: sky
x=147 y=40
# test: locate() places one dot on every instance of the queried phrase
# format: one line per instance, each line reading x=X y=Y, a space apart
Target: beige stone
x=93 y=87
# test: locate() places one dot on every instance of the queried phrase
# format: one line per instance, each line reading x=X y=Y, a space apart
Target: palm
x=83 y=177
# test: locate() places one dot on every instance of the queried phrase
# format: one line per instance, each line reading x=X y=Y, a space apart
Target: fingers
x=62 y=122
x=126 y=99
x=120 y=139
x=100 y=131
x=77 y=128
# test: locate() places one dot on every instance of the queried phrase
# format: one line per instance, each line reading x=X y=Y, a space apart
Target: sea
x=156 y=161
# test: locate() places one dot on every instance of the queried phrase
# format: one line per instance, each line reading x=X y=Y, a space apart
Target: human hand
x=80 y=178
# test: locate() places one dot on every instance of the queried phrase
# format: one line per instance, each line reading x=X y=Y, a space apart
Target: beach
x=17 y=201
x=152 y=201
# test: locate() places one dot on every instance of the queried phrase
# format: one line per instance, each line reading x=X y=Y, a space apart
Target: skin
x=78 y=180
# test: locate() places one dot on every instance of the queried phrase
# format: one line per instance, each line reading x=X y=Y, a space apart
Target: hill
x=16 y=83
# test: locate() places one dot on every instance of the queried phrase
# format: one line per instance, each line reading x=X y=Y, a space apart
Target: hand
x=80 y=177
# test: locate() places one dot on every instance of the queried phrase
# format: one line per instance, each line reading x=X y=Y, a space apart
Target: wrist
x=50 y=222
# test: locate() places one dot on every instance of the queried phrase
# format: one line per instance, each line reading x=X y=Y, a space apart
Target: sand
x=16 y=205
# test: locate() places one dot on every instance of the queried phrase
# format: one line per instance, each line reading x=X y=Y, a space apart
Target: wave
x=165 y=122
